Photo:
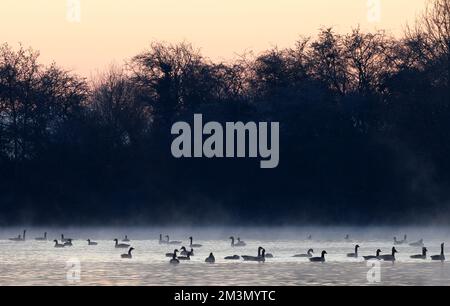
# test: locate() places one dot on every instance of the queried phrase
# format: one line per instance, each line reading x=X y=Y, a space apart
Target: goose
x=58 y=245
x=91 y=242
x=210 y=258
x=65 y=239
x=309 y=237
x=172 y=254
x=417 y=243
x=347 y=238
x=319 y=259
x=441 y=256
x=239 y=243
x=42 y=238
x=194 y=245
x=120 y=245
x=19 y=238
x=183 y=252
x=172 y=242
x=234 y=257
x=309 y=254
x=128 y=256
x=126 y=239
x=354 y=255
x=68 y=243
x=421 y=256
x=161 y=241
x=252 y=258
x=390 y=257
x=174 y=260
x=373 y=257
x=260 y=258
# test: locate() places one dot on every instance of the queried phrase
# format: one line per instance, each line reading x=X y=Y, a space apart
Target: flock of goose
x=261 y=256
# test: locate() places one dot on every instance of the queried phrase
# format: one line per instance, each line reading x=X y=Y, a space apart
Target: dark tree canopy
x=365 y=133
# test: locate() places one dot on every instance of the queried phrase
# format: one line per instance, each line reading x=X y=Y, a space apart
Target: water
x=39 y=263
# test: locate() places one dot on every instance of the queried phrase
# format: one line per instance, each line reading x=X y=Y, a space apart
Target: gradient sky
x=113 y=30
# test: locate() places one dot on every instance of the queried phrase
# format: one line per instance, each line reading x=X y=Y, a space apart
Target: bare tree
x=329 y=62
x=429 y=38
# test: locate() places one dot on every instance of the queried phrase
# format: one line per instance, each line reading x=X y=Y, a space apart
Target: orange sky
x=113 y=30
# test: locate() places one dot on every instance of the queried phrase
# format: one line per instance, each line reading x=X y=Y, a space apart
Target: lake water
x=39 y=263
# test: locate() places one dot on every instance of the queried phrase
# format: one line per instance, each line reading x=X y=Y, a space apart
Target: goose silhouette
x=319 y=259
x=371 y=257
x=309 y=254
x=128 y=255
x=421 y=256
x=440 y=257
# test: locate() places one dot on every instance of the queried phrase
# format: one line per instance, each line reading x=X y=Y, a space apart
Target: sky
x=89 y=36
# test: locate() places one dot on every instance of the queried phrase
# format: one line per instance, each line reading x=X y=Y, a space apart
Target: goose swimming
x=194 y=245
x=309 y=254
x=65 y=239
x=441 y=256
x=210 y=258
x=183 y=252
x=390 y=257
x=239 y=243
x=19 y=238
x=58 y=245
x=377 y=256
x=354 y=255
x=421 y=256
x=126 y=239
x=417 y=243
x=91 y=242
x=128 y=256
x=249 y=258
x=161 y=241
x=172 y=242
x=260 y=258
x=68 y=243
x=42 y=238
x=319 y=259
x=234 y=257
x=120 y=245
x=174 y=260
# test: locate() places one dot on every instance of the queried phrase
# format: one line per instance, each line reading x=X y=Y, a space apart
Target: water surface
x=39 y=263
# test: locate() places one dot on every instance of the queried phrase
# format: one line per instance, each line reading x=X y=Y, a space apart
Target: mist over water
x=39 y=263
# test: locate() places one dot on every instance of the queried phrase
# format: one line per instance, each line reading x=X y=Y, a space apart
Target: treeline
x=365 y=133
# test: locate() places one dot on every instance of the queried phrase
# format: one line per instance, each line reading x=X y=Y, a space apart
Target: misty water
x=40 y=263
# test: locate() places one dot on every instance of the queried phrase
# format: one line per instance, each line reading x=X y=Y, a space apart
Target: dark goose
x=441 y=256
x=319 y=259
